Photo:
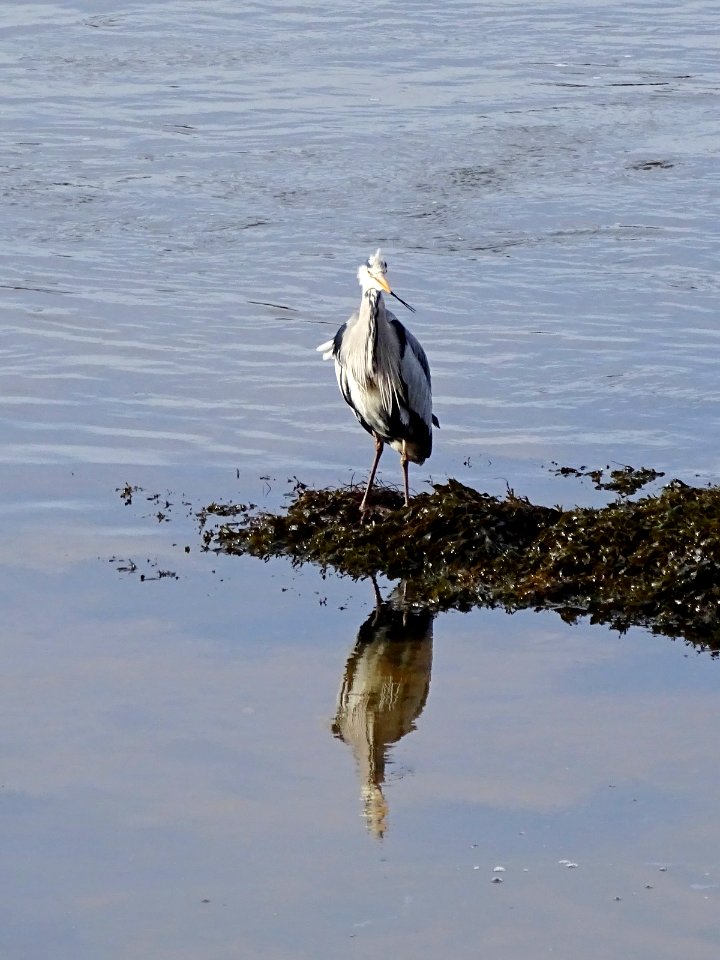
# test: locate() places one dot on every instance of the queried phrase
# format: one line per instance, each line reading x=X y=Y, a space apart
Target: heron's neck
x=373 y=309
x=374 y=298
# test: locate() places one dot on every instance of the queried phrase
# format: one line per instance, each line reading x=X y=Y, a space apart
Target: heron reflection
x=383 y=692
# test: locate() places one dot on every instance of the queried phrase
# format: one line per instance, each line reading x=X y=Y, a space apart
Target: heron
x=384 y=375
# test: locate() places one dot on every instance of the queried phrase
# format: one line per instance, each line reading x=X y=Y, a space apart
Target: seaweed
x=625 y=481
x=652 y=562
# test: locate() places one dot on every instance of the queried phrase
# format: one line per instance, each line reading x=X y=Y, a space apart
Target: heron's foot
x=370 y=511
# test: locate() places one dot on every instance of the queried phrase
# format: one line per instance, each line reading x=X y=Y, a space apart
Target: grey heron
x=384 y=375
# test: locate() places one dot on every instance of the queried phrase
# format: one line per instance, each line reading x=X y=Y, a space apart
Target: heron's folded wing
x=414 y=373
x=331 y=348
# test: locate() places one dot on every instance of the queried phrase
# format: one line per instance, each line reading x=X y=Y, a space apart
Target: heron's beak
x=386 y=287
x=382 y=281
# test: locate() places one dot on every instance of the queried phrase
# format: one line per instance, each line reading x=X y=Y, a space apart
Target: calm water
x=239 y=762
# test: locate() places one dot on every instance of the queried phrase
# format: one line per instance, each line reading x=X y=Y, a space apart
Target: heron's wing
x=415 y=346
x=327 y=349
x=331 y=348
x=408 y=340
x=414 y=373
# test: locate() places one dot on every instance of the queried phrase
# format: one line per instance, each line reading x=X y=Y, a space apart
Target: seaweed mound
x=653 y=562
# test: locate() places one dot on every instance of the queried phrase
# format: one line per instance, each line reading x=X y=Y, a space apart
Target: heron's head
x=373 y=274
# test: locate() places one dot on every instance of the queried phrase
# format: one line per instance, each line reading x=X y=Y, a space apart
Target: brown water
x=244 y=759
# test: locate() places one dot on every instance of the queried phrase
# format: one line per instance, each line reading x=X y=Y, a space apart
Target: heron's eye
x=385 y=266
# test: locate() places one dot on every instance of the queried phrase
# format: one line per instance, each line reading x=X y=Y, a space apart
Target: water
x=543 y=180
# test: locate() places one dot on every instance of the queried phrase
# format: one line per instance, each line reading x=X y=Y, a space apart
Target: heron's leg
x=378 y=453
x=404 y=465
x=378 y=599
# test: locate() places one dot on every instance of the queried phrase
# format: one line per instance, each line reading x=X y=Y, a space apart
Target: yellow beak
x=383 y=283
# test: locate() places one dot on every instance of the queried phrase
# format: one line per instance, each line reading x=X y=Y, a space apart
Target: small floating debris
x=570 y=864
x=499 y=869
x=652 y=165
x=497 y=880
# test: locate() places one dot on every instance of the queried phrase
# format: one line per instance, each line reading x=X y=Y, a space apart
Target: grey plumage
x=383 y=374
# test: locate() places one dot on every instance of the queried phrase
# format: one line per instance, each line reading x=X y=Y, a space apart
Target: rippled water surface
x=245 y=760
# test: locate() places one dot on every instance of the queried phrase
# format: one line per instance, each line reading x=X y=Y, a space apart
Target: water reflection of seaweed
x=383 y=692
